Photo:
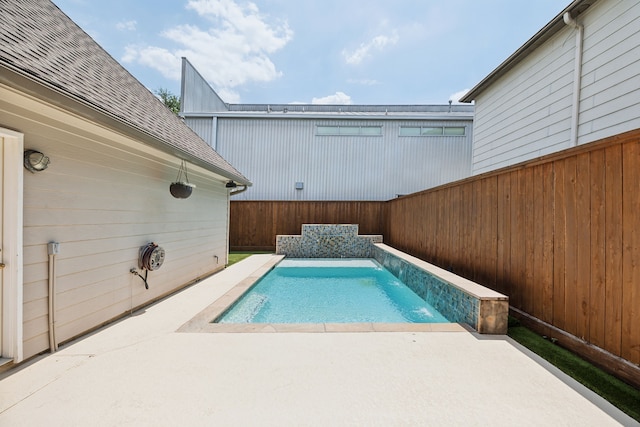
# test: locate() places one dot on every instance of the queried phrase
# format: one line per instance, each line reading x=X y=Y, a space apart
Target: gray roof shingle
x=39 y=42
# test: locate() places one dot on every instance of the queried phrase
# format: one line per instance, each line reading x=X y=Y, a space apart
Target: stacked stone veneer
x=487 y=315
x=327 y=241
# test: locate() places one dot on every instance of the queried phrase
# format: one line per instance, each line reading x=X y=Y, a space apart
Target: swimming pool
x=464 y=303
x=331 y=290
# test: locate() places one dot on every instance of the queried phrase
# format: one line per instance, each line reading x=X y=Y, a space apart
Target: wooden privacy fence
x=560 y=236
x=254 y=225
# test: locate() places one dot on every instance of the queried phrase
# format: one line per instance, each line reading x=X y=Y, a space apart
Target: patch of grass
x=619 y=393
x=239 y=256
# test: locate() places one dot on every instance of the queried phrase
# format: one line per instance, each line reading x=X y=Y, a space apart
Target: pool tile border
x=458 y=299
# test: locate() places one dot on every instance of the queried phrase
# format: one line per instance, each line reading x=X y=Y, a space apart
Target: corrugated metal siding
x=529 y=110
x=610 y=98
x=102 y=201
x=197 y=96
x=277 y=153
x=204 y=127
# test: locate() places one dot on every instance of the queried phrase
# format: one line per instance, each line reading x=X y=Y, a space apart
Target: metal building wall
x=196 y=96
x=204 y=127
x=277 y=153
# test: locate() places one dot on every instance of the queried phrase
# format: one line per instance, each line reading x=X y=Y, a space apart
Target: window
x=432 y=131
x=371 y=130
x=454 y=131
x=349 y=130
x=328 y=130
x=409 y=131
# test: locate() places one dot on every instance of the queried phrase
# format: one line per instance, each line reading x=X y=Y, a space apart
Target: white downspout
x=577 y=78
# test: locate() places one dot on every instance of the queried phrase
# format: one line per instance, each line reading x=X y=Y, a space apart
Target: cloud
x=168 y=64
x=126 y=26
x=378 y=43
x=456 y=96
x=228 y=95
x=364 y=82
x=339 y=98
x=233 y=51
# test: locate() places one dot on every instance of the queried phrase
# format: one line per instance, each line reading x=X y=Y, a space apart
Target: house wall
x=527 y=113
x=277 y=153
x=610 y=97
x=102 y=197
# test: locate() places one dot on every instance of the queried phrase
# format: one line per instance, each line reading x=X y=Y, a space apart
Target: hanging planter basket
x=181 y=188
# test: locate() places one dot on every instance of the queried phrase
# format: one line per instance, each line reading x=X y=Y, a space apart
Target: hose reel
x=150 y=258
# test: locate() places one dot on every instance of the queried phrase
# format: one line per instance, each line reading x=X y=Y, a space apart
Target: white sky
x=315 y=51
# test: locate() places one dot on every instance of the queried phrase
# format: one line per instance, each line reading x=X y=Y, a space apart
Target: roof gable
x=39 y=42
x=556 y=24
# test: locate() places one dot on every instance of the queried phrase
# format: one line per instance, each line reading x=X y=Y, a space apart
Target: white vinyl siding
x=528 y=110
x=527 y=113
x=101 y=201
x=610 y=98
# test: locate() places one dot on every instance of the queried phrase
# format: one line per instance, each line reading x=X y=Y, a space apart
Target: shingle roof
x=39 y=42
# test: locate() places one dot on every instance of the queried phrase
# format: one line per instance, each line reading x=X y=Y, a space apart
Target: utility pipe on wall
x=577 y=77
x=53 y=249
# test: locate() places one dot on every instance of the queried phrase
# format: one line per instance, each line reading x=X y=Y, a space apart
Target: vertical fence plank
x=455 y=215
x=490 y=245
x=503 y=267
x=571 y=240
x=517 y=238
x=482 y=245
x=465 y=223
x=536 y=287
x=583 y=245
x=548 y=242
x=559 y=253
x=529 y=241
x=596 y=313
x=476 y=228
x=613 y=255
x=631 y=252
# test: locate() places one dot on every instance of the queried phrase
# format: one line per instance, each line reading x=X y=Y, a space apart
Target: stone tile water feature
x=327 y=241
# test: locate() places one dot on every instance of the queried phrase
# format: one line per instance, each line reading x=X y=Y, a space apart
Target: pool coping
x=203 y=321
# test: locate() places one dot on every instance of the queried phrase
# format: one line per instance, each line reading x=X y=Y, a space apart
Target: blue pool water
x=331 y=291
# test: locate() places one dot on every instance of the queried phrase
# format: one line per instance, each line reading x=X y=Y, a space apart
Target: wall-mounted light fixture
x=35 y=161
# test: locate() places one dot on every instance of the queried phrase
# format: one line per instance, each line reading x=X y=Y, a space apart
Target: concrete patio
x=140 y=371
